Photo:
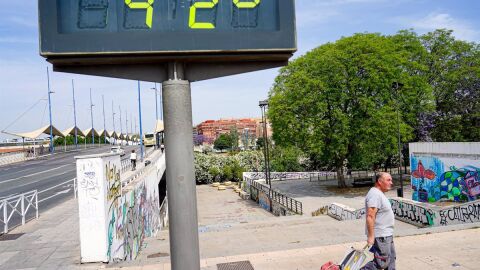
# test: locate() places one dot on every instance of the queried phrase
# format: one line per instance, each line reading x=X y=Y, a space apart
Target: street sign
x=76 y=28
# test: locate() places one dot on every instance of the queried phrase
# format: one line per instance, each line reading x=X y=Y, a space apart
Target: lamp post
x=140 y=120
x=91 y=116
x=52 y=148
x=156 y=101
x=397 y=86
x=104 y=125
x=113 y=121
x=263 y=104
x=75 y=116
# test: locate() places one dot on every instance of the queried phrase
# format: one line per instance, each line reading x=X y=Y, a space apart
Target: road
x=52 y=176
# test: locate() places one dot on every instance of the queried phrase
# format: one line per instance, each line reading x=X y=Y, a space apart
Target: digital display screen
x=89 y=27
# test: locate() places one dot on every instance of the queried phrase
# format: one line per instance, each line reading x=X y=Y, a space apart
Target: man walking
x=133 y=160
x=379 y=224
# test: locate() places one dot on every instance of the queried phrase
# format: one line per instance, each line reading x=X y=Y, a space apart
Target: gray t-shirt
x=385 y=219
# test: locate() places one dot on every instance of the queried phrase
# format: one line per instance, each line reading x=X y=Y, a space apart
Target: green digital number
x=246 y=4
x=143 y=5
x=193 y=15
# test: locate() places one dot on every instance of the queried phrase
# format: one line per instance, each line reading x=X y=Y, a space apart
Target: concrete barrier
x=428 y=215
x=113 y=220
x=343 y=212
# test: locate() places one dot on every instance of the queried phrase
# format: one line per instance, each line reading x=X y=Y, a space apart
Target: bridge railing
x=19 y=205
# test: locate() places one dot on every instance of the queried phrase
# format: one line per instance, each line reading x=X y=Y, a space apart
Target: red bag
x=330 y=266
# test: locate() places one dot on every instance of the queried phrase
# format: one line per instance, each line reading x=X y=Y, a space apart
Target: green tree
x=224 y=141
x=454 y=74
x=337 y=105
x=286 y=159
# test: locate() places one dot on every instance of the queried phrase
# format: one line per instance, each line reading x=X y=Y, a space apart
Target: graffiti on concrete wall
x=427 y=215
x=264 y=200
x=413 y=213
x=342 y=212
x=438 y=178
x=467 y=213
x=288 y=175
x=134 y=215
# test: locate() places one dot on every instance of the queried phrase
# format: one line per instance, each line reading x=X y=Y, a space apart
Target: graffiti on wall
x=264 y=200
x=436 y=178
x=467 y=213
x=342 y=212
x=288 y=175
x=134 y=215
x=413 y=213
x=427 y=215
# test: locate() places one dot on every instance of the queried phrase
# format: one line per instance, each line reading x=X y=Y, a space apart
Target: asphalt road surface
x=52 y=176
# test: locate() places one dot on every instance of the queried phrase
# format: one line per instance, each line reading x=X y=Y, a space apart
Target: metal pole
x=156 y=103
x=50 y=113
x=161 y=101
x=264 y=147
x=104 y=125
x=91 y=116
x=74 y=116
x=182 y=198
x=113 y=121
x=399 y=143
x=121 y=130
x=140 y=117
x=126 y=122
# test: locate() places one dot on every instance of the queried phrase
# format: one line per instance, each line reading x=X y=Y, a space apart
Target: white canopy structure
x=103 y=132
x=71 y=131
x=159 y=126
x=36 y=133
x=112 y=134
x=88 y=132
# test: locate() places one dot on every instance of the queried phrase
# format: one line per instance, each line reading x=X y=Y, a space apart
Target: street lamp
x=50 y=113
x=91 y=116
x=397 y=86
x=263 y=104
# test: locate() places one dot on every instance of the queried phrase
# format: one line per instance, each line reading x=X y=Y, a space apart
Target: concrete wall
x=114 y=222
x=428 y=215
x=445 y=171
x=343 y=212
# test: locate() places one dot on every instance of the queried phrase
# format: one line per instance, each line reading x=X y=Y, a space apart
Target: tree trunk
x=341 y=177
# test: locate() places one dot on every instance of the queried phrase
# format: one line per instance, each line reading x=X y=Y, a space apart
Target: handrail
x=282 y=199
x=12 y=203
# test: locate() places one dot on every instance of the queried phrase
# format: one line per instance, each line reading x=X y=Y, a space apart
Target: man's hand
x=370 y=240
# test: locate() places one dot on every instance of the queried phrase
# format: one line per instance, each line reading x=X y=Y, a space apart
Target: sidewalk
x=430 y=251
x=233 y=230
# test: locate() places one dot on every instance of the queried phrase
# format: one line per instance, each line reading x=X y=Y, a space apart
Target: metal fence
x=18 y=205
x=278 y=197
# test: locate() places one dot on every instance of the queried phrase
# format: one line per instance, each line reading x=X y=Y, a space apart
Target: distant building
x=248 y=129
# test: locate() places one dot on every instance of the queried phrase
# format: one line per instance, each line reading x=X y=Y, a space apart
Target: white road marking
x=50 y=188
x=33 y=174
x=58 y=193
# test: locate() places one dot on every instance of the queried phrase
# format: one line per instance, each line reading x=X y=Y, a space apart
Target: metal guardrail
x=290 y=203
x=18 y=204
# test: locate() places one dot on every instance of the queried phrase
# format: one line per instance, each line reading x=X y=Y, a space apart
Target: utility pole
x=113 y=121
x=140 y=119
x=75 y=116
x=104 y=126
x=91 y=116
x=121 y=130
x=156 y=102
x=50 y=113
